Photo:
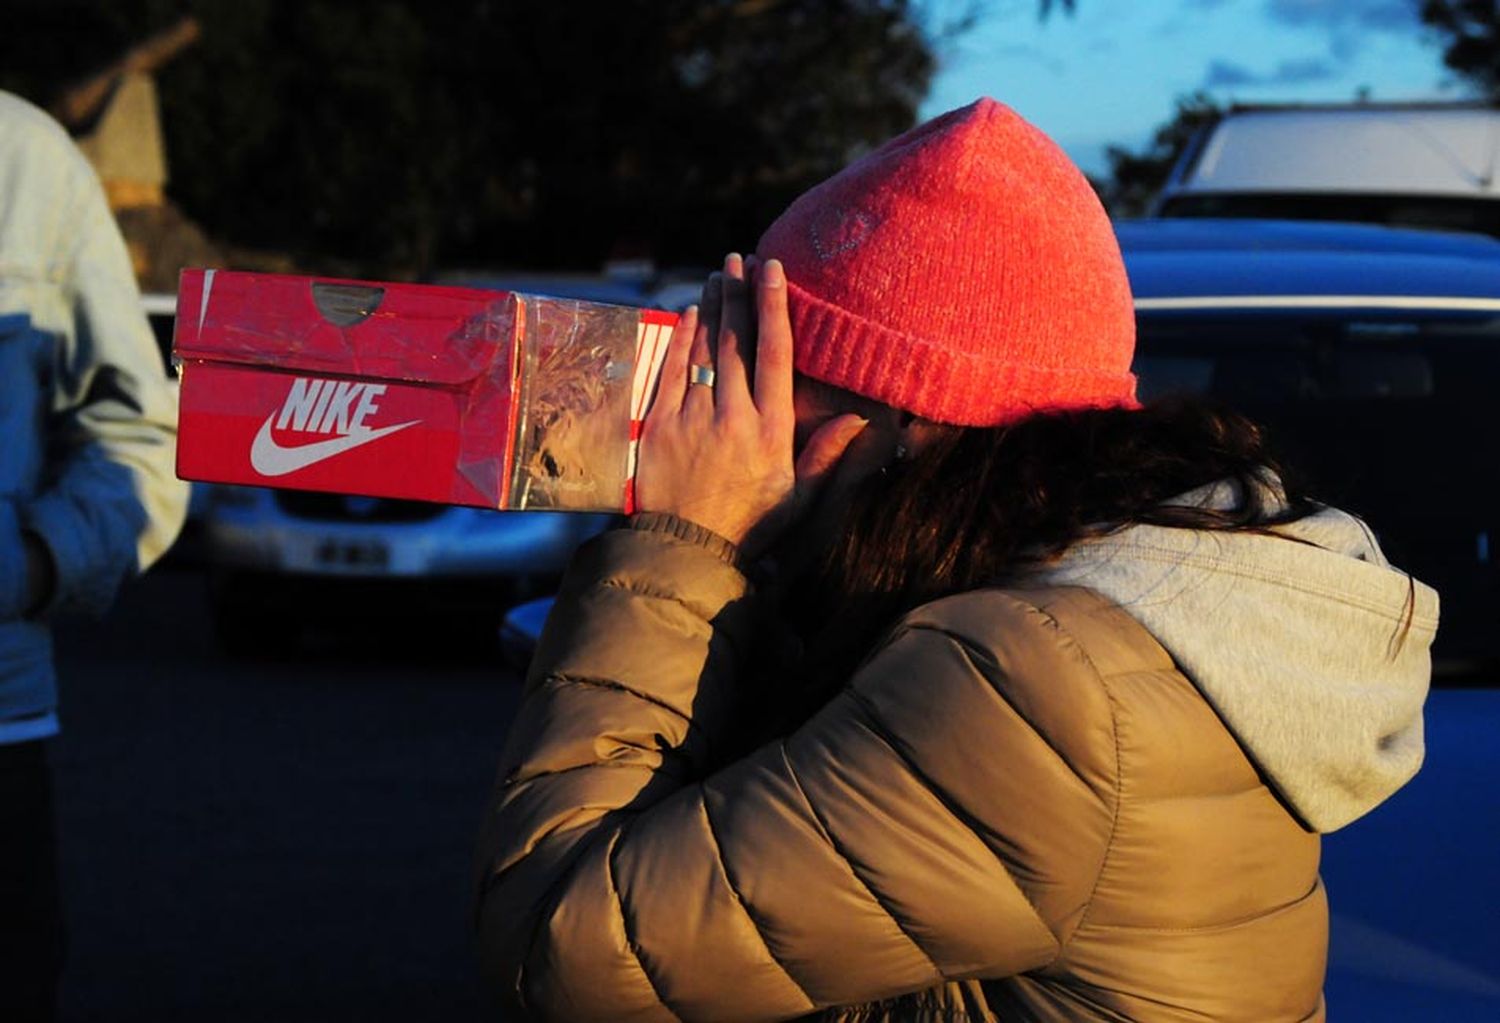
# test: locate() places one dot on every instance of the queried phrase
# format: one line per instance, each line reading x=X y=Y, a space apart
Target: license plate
x=353 y=556
x=338 y=556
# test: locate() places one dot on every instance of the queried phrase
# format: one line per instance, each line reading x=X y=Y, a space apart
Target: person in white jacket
x=88 y=496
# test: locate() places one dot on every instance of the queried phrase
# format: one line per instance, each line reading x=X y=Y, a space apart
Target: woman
x=1044 y=720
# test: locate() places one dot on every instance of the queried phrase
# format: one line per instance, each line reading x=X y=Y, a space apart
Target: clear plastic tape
x=572 y=446
x=485 y=424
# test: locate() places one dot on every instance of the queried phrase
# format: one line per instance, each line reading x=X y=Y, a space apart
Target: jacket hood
x=1310 y=645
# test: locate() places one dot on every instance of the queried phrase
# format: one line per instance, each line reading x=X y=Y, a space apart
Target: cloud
x=1224 y=74
x=1347 y=23
x=1377 y=15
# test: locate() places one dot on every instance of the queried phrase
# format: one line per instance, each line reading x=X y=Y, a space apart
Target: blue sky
x=1111 y=73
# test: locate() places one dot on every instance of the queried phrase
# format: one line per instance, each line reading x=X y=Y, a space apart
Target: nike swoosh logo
x=271 y=459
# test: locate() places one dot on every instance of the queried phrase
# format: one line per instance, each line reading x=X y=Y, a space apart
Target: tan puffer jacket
x=1018 y=809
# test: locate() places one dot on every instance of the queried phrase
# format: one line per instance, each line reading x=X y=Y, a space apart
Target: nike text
x=323 y=406
x=338 y=407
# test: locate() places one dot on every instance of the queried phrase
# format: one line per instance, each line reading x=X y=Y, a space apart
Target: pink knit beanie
x=964 y=271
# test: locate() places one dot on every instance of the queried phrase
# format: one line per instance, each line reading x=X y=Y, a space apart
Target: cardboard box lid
x=426 y=334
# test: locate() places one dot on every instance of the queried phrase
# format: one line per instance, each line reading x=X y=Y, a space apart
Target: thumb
x=824 y=449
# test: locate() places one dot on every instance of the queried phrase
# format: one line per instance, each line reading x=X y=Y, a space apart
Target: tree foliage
x=404 y=134
x=1136 y=177
x=1471 y=34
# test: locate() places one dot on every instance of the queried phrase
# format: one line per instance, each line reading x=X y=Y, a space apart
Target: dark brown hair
x=983 y=506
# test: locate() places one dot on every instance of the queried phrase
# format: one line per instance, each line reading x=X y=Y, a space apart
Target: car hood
x=1252 y=234
x=1311 y=264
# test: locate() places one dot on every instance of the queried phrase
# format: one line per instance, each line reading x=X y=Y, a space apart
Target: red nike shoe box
x=431 y=393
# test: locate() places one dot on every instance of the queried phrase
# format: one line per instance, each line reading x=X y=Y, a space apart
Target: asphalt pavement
x=290 y=840
x=270 y=841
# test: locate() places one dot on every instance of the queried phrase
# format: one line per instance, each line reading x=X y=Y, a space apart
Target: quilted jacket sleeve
x=880 y=849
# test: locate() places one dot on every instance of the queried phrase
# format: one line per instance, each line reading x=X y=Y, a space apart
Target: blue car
x=1370 y=354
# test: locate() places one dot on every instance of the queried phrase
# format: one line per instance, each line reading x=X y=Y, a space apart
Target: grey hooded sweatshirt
x=1310 y=645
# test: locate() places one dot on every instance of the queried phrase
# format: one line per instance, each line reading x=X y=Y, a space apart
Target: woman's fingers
x=773 y=352
x=736 y=335
x=824 y=449
x=708 y=320
x=718 y=455
x=671 y=381
x=705 y=338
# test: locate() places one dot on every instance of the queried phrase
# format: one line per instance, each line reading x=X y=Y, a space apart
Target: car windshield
x=1391 y=418
x=1277 y=357
x=1446 y=213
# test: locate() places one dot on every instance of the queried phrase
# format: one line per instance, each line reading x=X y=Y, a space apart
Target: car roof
x=157 y=303
x=1199 y=264
x=1397 y=149
x=1238 y=234
x=585 y=288
x=678 y=295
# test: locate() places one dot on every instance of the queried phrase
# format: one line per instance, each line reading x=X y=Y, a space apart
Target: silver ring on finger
x=698 y=374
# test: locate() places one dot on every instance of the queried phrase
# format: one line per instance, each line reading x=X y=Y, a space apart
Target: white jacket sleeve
x=108 y=503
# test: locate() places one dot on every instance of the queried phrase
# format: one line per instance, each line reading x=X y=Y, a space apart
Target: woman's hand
x=721 y=454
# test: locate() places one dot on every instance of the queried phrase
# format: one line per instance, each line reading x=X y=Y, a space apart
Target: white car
x=1428 y=165
x=281 y=561
x=161 y=314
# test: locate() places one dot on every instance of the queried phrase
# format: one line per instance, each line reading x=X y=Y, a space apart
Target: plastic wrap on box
x=458 y=395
